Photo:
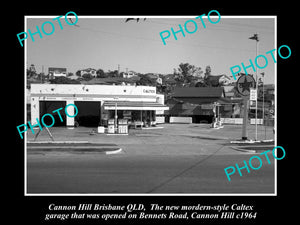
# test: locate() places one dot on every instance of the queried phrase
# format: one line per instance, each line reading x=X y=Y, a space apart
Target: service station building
x=97 y=104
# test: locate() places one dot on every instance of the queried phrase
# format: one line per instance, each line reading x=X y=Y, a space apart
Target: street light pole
x=255 y=37
x=256 y=91
x=116 y=113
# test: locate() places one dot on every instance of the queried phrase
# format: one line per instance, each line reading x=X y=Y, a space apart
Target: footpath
x=73 y=147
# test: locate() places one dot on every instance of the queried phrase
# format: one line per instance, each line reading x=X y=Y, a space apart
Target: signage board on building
x=253 y=94
x=149 y=91
x=252 y=104
x=91 y=90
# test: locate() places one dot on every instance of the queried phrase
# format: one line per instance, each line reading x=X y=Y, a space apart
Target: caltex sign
x=244 y=84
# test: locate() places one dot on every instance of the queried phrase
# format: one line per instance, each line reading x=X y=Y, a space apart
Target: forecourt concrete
x=185 y=158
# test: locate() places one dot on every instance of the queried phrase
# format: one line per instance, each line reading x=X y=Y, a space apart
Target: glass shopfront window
x=145 y=117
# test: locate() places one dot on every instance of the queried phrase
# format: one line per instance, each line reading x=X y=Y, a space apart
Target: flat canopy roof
x=82 y=89
x=130 y=105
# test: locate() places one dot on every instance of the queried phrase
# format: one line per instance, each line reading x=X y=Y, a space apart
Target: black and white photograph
x=174 y=117
x=121 y=105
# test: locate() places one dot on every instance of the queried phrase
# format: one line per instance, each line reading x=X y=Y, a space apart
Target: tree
x=207 y=72
x=63 y=80
x=31 y=72
x=101 y=74
x=78 y=73
x=41 y=77
x=112 y=73
x=145 y=80
x=187 y=75
x=200 y=84
x=213 y=80
x=87 y=76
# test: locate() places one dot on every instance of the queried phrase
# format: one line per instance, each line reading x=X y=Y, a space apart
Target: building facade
x=96 y=104
x=90 y=71
x=128 y=74
x=202 y=104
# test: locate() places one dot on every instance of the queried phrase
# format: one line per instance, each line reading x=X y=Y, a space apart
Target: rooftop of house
x=51 y=69
x=88 y=69
x=195 y=92
x=110 y=80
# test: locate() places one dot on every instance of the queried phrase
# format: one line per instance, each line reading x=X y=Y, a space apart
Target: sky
x=108 y=42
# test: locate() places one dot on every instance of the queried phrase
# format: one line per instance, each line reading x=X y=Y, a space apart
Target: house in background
x=203 y=104
x=268 y=90
x=155 y=77
x=57 y=72
x=196 y=103
x=230 y=91
x=91 y=71
x=128 y=74
x=214 y=81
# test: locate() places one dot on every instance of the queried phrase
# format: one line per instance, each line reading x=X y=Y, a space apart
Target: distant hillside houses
x=216 y=80
x=91 y=71
x=155 y=77
x=128 y=74
x=57 y=72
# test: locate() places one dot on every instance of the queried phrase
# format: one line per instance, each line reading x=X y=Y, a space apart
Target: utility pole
x=42 y=73
x=263 y=115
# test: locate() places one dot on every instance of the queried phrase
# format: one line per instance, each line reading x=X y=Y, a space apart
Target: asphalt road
x=166 y=161
x=90 y=173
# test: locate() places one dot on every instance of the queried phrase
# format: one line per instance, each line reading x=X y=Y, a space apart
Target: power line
x=217 y=27
x=121 y=35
